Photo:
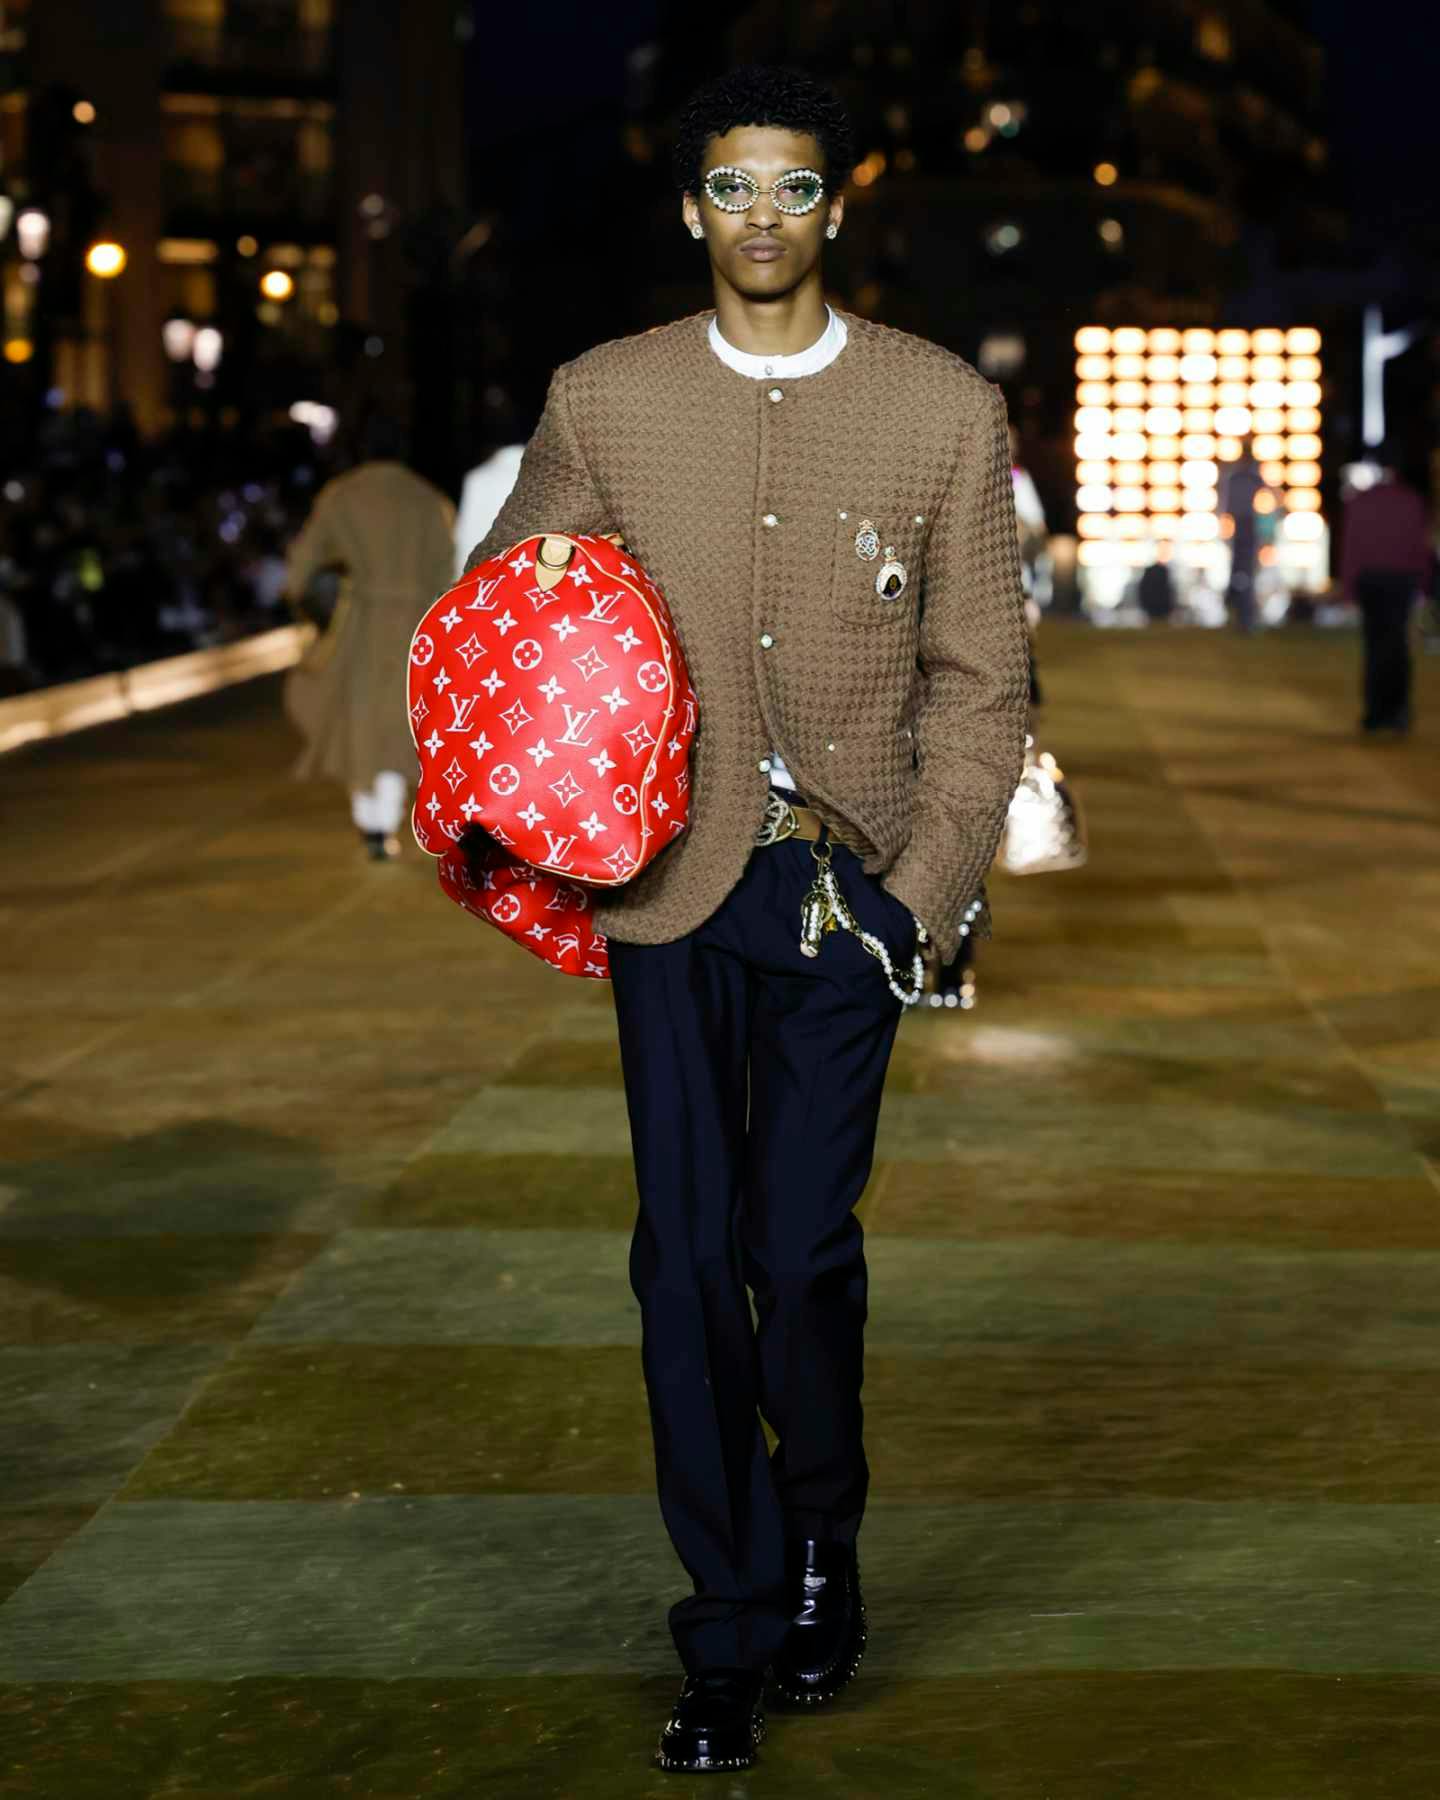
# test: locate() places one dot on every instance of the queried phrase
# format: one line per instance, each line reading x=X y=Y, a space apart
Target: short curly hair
x=763 y=94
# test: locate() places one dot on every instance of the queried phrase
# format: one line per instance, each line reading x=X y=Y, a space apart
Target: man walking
x=1383 y=560
x=827 y=505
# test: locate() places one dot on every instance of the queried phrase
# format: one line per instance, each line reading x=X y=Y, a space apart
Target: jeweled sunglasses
x=796 y=191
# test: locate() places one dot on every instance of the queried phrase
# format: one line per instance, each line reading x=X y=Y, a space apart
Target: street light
x=277 y=284
x=179 y=337
x=208 y=348
x=32 y=229
x=106 y=260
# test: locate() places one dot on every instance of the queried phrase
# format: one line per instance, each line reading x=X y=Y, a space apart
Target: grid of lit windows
x=1158 y=415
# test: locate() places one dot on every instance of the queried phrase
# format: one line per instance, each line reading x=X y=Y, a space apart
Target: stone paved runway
x=324 y=1466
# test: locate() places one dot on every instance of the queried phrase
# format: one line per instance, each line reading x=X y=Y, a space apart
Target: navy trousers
x=1386 y=602
x=753 y=1077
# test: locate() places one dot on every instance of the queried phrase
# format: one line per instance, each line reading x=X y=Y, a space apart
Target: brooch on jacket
x=892 y=577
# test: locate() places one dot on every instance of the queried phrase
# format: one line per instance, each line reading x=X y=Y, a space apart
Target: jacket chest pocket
x=878 y=565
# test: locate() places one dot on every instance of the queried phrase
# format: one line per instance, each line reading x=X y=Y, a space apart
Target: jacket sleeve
x=316 y=547
x=554 y=490
x=974 y=658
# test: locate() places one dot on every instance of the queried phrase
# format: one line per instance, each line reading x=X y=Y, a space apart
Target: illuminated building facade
x=1160 y=413
x=254 y=160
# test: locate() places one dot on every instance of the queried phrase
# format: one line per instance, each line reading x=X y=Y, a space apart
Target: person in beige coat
x=390 y=532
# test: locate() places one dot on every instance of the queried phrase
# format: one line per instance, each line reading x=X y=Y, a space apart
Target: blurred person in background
x=1384 y=560
x=1034 y=538
x=1240 y=484
x=1157 y=587
x=15 y=672
x=266 y=574
x=486 y=489
x=390 y=533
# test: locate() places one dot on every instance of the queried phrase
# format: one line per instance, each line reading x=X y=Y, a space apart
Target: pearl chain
x=844 y=916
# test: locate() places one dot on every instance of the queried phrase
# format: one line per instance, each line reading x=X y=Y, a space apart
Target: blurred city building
x=242 y=200
x=215 y=211
x=1028 y=170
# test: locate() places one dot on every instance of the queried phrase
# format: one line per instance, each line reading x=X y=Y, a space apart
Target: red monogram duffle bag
x=552 y=715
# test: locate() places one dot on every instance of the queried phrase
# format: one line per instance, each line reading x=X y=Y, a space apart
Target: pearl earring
x=832 y=231
x=697 y=231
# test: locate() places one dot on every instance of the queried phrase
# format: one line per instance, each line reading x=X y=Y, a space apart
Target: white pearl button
x=764 y=765
x=769 y=521
x=766 y=641
x=919 y=518
x=830 y=746
x=844 y=515
x=776 y=395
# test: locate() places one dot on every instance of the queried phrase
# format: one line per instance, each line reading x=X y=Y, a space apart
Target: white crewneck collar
x=820 y=354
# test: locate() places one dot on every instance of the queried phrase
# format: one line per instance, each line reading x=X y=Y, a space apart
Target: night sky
x=1384 y=68
x=1384 y=86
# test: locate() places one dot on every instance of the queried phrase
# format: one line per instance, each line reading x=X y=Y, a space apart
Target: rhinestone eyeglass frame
x=749 y=181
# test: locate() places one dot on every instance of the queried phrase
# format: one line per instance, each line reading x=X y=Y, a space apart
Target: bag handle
x=552 y=559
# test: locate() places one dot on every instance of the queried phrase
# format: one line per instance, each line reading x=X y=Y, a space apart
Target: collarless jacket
x=900 y=718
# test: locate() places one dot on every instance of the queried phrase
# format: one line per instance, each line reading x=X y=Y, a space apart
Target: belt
x=793 y=819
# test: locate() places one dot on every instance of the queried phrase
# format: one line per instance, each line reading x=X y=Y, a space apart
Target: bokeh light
x=106 y=260
x=1163 y=413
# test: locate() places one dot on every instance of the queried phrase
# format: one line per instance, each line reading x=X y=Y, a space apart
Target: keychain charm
x=817 y=911
x=824 y=909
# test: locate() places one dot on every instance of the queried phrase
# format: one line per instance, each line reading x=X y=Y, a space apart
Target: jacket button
x=763 y=765
x=776 y=395
x=830 y=746
x=769 y=521
x=766 y=641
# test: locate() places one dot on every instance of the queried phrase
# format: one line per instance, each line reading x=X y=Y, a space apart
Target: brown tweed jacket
x=902 y=719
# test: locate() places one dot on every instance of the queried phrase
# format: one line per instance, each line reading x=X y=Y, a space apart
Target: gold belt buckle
x=779 y=822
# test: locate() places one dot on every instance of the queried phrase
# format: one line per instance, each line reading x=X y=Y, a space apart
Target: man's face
x=765 y=252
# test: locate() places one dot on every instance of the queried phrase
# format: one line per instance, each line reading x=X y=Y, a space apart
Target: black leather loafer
x=716 y=1723
x=826 y=1640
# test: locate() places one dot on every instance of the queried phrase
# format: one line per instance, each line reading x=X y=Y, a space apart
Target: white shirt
x=820 y=355
x=486 y=490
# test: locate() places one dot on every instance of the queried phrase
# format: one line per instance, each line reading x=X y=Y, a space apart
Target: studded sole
x=681 y=1765
x=808 y=1697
